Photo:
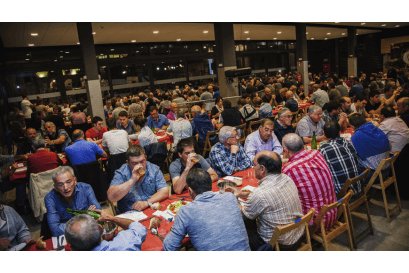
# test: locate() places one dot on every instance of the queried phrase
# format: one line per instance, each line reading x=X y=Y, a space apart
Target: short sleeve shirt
x=117 y=141
x=90 y=133
x=320 y=98
x=82 y=152
x=306 y=127
x=370 y=107
x=176 y=168
x=26 y=109
x=162 y=121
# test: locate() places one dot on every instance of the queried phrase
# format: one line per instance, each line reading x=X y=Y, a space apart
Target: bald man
x=291 y=103
x=172 y=113
x=82 y=151
x=274 y=202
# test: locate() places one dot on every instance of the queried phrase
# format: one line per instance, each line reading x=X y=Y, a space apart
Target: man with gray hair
x=181 y=127
x=320 y=97
x=42 y=160
x=291 y=103
x=282 y=124
x=67 y=193
x=83 y=233
x=58 y=140
x=312 y=122
x=228 y=156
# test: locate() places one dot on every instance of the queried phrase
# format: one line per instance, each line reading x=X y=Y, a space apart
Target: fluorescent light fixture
x=384 y=25
x=133 y=41
x=67 y=52
x=336 y=22
x=178 y=40
x=28 y=54
x=279 y=32
x=112 y=49
x=343 y=33
x=312 y=38
x=397 y=26
x=246 y=32
x=155 y=32
x=27 y=59
x=34 y=34
x=275 y=38
x=78 y=43
x=326 y=38
x=247 y=38
x=30 y=44
x=362 y=23
x=94 y=33
x=206 y=31
x=55 y=60
x=328 y=33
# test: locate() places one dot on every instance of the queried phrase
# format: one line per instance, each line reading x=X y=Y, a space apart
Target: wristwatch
x=149 y=203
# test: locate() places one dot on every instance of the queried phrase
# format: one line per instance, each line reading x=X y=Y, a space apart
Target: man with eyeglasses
x=263 y=139
x=282 y=125
x=228 y=156
x=311 y=123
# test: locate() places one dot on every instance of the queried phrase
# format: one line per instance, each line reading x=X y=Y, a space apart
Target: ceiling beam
x=308 y=25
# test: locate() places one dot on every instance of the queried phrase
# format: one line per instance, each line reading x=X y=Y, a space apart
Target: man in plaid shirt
x=228 y=156
x=341 y=157
x=311 y=175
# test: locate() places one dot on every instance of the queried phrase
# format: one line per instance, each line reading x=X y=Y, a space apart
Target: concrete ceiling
x=61 y=34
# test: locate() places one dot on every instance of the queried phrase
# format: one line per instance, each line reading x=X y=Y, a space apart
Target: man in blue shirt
x=158 y=121
x=83 y=151
x=291 y=103
x=137 y=184
x=125 y=124
x=67 y=193
x=357 y=89
x=83 y=233
x=212 y=221
x=201 y=124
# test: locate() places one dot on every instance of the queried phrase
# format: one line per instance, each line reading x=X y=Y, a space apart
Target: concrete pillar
x=301 y=54
x=92 y=83
x=352 y=60
x=386 y=58
x=225 y=59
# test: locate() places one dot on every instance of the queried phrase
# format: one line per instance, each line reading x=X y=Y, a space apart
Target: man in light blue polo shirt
x=158 y=121
x=137 y=184
x=125 y=124
x=83 y=151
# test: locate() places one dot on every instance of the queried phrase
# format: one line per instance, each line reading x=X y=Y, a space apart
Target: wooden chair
x=305 y=220
x=243 y=133
x=113 y=206
x=354 y=205
x=325 y=236
x=252 y=123
x=208 y=145
x=384 y=184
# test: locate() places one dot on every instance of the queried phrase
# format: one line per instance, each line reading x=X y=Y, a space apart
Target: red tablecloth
x=275 y=112
x=166 y=138
x=49 y=247
x=23 y=174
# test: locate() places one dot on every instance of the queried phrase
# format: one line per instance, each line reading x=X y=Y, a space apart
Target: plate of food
x=175 y=206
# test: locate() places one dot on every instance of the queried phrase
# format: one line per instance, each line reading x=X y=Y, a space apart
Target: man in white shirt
x=115 y=141
x=26 y=107
x=394 y=128
x=181 y=128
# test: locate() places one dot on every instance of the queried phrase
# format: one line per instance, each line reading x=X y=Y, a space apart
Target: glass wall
x=129 y=78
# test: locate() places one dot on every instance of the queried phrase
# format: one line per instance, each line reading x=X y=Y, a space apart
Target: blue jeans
x=6 y=185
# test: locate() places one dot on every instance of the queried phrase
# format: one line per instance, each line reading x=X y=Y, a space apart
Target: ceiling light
x=27 y=59
x=326 y=38
x=30 y=44
x=397 y=26
x=123 y=72
x=279 y=32
x=101 y=54
x=28 y=54
x=156 y=32
x=246 y=32
x=112 y=49
x=61 y=51
x=137 y=51
x=312 y=38
x=178 y=40
x=357 y=34
x=34 y=34
x=157 y=68
x=275 y=38
x=328 y=33
x=55 y=60
x=306 y=33
x=67 y=52
x=204 y=46
x=94 y=33
x=384 y=25
x=343 y=33
x=248 y=39
x=78 y=43
x=206 y=31
x=133 y=41
x=292 y=43
x=362 y=23
x=336 y=22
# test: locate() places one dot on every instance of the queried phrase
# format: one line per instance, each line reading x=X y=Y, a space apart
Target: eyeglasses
x=288 y=116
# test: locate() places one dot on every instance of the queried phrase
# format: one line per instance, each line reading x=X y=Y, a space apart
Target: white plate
x=171 y=204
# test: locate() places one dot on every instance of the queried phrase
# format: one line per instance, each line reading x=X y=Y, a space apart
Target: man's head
x=355 y=80
x=241 y=102
x=228 y=136
x=31 y=134
x=292 y=144
x=266 y=129
x=333 y=107
x=77 y=134
x=403 y=105
x=389 y=89
x=173 y=107
x=135 y=155
x=285 y=116
x=360 y=101
x=387 y=112
x=315 y=112
x=226 y=104
x=83 y=233
x=257 y=101
x=315 y=87
x=109 y=104
x=65 y=181
x=198 y=181
x=38 y=142
x=123 y=118
x=332 y=129
x=184 y=149
x=374 y=96
x=357 y=120
x=266 y=163
x=267 y=91
x=97 y=122
x=153 y=111
x=50 y=128
x=196 y=110
x=111 y=123
x=345 y=103
x=150 y=95
x=210 y=88
x=289 y=95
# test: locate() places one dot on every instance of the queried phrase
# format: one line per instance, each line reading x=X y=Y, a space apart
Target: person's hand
x=11 y=170
x=140 y=205
x=92 y=207
x=135 y=173
x=157 y=130
x=273 y=97
x=396 y=92
x=189 y=162
x=30 y=241
x=217 y=115
x=234 y=149
x=382 y=100
x=343 y=116
x=4 y=243
x=105 y=215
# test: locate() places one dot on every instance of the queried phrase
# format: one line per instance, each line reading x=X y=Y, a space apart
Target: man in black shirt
x=81 y=106
x=268 y=98
x=56 y=119
x=26 y=146
x=250 y=88
x=375 y=104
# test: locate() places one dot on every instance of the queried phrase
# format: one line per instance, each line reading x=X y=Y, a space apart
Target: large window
x=129 y=78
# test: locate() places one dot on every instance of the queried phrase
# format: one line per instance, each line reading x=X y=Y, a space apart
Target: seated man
x=389 y=95
x=157 y=121
x=291 y=103
x=228 y=156
x=311 y=175
x=273 y=203
x=56 y=118
x=268 y=97
x=18 y=129
x=67 y=193
x=133 y=190
x=58 y=141
x=403 y=109
x=332 y=113
x=96 y=132
x=394 y=128
x=230 y=116
x=26 y=146
x=265 y=109
x=374 y=106
x=282 y=125
x=116 y=141
x=341 y=158
x=263 y=139
x=125 y=124
x=312 y=122
x=118 y=109
x=42 y=160
x=247 y=111
x=172 y=113
x=320 y=97
x=179 y=168
x=209 y=212
x=371 y=145
x=359 y=106
x=201 y=124
x=180 y=127
x=346 y=105
x=14 y=234
x=82 y=151
x=83 y=233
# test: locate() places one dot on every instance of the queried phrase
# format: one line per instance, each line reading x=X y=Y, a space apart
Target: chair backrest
x=253 y=124
x=378 y=170
x=156 y=153
x=208 y=145
x=243 y=132
x=352 y=181
x=302 y=221
x=318 y=222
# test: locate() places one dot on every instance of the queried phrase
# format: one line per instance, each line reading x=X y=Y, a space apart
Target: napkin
x=165 y=214
x=248 y=187
x=134 y=215
x=59 y=239
x=21 y=169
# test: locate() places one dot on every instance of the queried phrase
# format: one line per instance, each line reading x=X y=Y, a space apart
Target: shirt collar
x=205 y=195
x=78 y=140
x=298 y=155
x=270 y=177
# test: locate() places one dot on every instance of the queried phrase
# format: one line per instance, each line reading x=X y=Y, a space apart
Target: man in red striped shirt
x=311 y=175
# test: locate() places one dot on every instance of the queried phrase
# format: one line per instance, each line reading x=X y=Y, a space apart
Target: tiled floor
x=387 y=236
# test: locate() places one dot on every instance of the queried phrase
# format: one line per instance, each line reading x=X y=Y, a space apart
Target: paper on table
x=59 y=239
x=346 y=136
x=135 y=215
x=165 y=214
x=21 y=169
x=20 y=165
x=248 y=187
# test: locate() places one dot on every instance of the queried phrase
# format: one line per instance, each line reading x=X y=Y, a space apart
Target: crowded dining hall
x=128 y=136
